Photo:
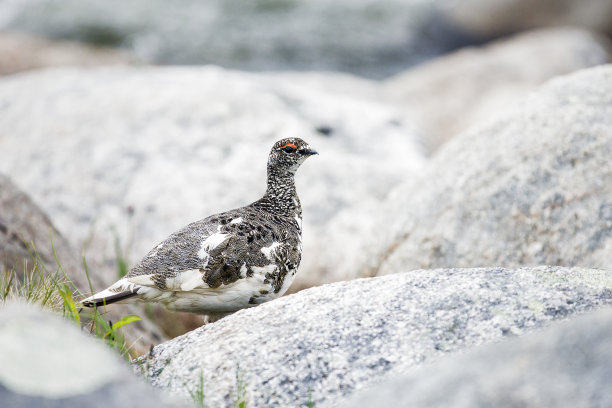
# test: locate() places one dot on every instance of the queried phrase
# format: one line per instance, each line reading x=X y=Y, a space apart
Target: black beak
x=307 y=152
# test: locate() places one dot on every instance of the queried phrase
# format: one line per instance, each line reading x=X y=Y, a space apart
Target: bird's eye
x=289 y=148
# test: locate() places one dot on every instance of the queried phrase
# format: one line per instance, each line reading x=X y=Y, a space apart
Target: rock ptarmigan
x=228 y=261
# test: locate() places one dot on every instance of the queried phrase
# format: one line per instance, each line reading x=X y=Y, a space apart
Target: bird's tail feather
x=117 y=292
x=95 y=301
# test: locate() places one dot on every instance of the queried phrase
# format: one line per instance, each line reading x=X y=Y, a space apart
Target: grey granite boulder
x=321 y=344
x=136 y=153
x=27 y=232
x=47 y=362
x=531 y=187
x=567 y=365
x=493 y=78
x=368 y=37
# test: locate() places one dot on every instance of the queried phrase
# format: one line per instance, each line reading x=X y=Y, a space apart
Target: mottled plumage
x=228 y=261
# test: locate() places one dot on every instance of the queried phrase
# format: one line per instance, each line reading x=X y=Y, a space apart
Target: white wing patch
x=210 y=243
x=263 y=270
x=267 y=251
x=236 y=220
x=144 y=280
x=186 y=281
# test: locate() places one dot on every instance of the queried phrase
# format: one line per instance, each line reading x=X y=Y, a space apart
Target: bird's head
x=288 y=154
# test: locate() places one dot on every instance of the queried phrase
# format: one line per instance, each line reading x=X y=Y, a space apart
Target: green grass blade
x=69 y=304
x=125 y=320
x=122 y=322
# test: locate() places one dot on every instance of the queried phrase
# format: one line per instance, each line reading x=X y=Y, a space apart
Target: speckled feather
x=227 y=261
x=242 y=245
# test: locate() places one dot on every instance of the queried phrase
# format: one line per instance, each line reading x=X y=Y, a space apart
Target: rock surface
x=21 y=52
x=26 y=230
x=368 y=37
x=531 y=187
x=330 y=340
x=493 y=78
x=566 y=366
x=137 y=153
x=47 y=362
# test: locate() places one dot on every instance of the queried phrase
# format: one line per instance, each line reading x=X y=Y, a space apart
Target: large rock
x=136 y=153
x=531 y=187
x=454 y=92
x=490 y=18
x=564 y=366
x=47 y=362
x=21 y=52
x=28 y=241
x=27 y=236
x=321 y=344
x=368 y=37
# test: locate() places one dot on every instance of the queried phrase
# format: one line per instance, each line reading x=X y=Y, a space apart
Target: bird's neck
x=281 y=197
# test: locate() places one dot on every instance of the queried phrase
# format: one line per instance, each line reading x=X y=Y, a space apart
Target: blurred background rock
x=365 y=37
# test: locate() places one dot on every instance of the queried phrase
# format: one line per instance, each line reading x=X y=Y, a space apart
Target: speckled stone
x=47 y=362
x=567 y=365
x=331 y=340
x=532 y=187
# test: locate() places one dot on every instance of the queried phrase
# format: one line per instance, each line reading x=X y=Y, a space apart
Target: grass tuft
x=55 y=291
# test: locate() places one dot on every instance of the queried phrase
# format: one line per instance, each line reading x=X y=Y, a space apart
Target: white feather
x=263 y=270
x=211 y=243
x=122 y=285
x=144 y=280
x=186 y=281
x=286 y=283
x=236 y=220
x=233 y=296
x=267 y=251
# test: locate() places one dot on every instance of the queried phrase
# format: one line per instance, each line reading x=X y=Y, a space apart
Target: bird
x=228 y=261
